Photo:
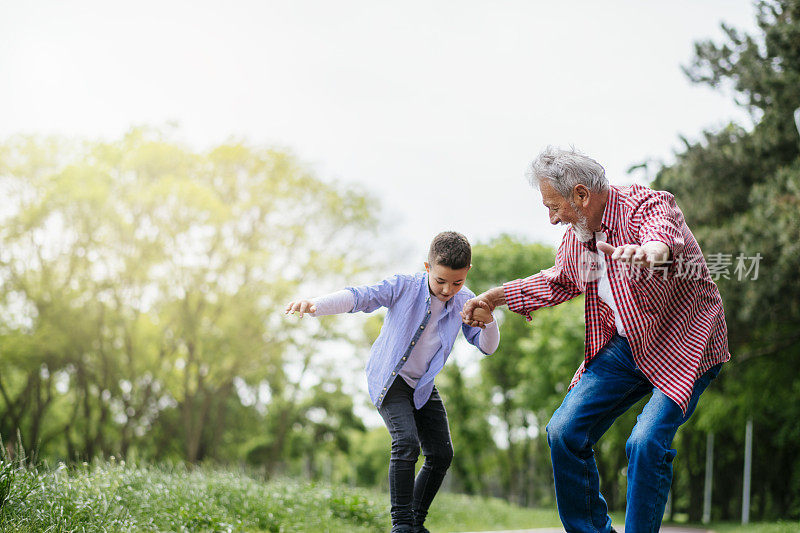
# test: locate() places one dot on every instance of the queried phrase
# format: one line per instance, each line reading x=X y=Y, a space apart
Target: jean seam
x=586 y=441
x=653 y=510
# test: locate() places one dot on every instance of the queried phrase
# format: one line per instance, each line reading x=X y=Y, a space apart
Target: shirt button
x=393 y=373
x=404 y=358
x=422 y=327
x=383 y=389
x=412 y=343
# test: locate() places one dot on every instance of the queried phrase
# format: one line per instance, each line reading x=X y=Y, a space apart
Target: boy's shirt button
x=422 y=327
x=393 y=373
x=403 y=360
x=412 y=343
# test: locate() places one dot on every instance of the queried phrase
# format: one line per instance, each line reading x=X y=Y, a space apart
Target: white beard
x=583 y=233
x=581 y=228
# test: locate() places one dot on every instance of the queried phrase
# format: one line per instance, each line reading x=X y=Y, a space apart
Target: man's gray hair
x=565 y=169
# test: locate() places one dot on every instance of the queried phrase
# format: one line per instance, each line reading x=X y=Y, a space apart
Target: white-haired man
x=653 y=326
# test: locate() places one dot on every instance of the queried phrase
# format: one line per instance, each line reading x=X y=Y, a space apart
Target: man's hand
x=649 y=254
x=486 y=302
x=301 y=306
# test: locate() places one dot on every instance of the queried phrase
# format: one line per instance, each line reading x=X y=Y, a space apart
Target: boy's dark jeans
x=411 y=428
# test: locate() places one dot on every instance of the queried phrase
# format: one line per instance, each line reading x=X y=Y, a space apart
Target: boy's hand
x=476 y=313
x=486 y=301
x=481 y=317
x=301 y=306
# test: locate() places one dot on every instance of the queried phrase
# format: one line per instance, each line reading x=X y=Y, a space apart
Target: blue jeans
x=610 y=385
x=410 y=428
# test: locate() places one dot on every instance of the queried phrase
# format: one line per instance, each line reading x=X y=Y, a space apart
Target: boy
x=418 y=333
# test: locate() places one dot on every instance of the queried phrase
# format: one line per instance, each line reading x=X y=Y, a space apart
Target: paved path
x=620 y=529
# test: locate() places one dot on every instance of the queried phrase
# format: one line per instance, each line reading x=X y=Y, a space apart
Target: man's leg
x=397 y=411
x=609 y=386
x=434 y=435
x=650 y=456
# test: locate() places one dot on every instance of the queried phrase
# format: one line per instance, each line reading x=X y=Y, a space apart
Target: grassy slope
x=117 y=497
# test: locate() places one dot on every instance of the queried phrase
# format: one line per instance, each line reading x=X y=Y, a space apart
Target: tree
x=143 y=280
x=740 y=191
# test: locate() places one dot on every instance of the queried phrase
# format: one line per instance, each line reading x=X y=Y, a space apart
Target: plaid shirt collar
x=612 y=212
x=611 y=218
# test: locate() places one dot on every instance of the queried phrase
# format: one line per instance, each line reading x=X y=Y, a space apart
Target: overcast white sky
x=435 y=106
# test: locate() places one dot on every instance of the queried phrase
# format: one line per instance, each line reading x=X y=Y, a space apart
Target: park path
x=620 y=529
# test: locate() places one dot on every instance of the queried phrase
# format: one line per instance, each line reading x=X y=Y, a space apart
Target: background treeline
x=142 y=287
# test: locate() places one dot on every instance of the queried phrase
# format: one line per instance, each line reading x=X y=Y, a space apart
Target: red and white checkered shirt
x=672 y=315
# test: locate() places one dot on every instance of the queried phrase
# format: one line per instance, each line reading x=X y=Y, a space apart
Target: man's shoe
x=421 y=529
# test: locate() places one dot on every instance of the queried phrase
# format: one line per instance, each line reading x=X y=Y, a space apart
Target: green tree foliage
x=740 y=192
x=143 y=287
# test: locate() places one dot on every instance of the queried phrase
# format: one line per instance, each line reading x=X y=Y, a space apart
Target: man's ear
x=580 y=195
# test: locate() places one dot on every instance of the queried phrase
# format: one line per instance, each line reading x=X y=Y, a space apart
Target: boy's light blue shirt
x=408 y=300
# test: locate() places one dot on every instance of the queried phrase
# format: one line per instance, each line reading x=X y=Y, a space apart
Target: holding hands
x=477 y=312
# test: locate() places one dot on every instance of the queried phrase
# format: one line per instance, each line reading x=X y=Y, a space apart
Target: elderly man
x=654 y=325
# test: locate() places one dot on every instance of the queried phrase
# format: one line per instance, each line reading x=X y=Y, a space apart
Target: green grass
x=113 y=496
x=118 y=497
x=456 y=512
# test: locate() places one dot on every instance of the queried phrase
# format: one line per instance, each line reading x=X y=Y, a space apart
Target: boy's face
x=444 y=282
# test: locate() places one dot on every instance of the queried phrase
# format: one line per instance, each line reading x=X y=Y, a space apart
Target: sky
x=434 y=108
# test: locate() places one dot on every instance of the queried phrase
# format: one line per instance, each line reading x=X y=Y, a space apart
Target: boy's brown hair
x=450 y=249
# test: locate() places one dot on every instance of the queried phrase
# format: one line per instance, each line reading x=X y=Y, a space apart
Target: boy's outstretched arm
x=330 y=304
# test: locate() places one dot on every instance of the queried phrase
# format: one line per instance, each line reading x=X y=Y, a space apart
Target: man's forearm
x=494 y=297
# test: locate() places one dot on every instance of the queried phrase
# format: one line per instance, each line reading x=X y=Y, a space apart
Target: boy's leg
x=608 y=387
x=650 y=456
x=437 y=447
x=397 y=411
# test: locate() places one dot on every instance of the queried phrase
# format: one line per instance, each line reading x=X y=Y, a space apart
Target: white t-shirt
x=427 y=345
x=604 y=286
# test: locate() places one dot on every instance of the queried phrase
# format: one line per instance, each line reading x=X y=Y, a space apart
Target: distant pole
x=797 y=119
x=748 y=462
x=709 y=477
